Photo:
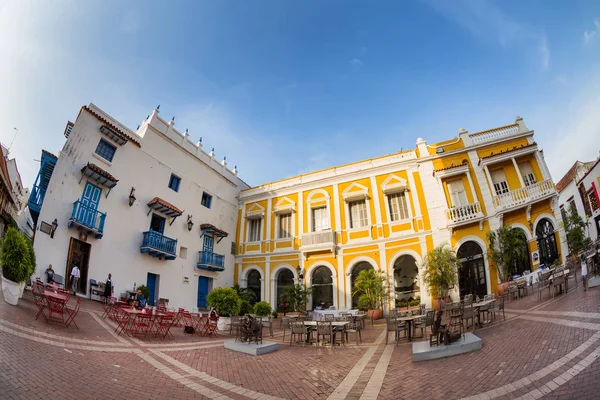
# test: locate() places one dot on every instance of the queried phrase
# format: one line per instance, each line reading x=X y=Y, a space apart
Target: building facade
x=386 y=213
x=578 y=190
x=20 y=194
x=148 y=206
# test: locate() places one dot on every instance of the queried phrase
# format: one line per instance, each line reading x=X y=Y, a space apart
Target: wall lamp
x=300 y=272
x=190 y=223
x=54 y=226
x=132 y=196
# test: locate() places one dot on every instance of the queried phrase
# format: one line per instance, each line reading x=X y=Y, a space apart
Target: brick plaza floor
x=544 y=349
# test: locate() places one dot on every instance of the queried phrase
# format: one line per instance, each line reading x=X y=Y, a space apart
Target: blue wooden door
x=202 y=290
x=89 y=205
x=151 y=284
x=208 y=244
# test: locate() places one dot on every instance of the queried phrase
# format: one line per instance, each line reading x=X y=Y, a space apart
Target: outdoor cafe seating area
x=54 y=305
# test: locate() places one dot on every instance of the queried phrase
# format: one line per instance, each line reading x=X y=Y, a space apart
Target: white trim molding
x=244 y=279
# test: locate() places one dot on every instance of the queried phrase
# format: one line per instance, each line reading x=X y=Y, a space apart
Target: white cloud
x=356 y=62
x=588 y=35
x=545 y=53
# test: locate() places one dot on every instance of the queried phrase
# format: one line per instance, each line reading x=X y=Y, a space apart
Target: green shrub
x=262 y=309
x=31 y=258
x=274 y=314
x=225 y=301
x=401 y=304
x=414 y=303
x=364 y=302
x=15 y=258
x=245 y=307
x=145 y=291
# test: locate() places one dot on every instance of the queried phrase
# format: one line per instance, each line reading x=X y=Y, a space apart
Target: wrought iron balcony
x=210 y=261
x=87 y=219
x=524 y=196
x=464 y=214
x=158 y=245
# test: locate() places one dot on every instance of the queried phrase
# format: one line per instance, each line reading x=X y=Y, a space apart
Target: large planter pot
x=11 y=291
x=21 y=289
x=223 y=323
x=501 y=289
x=374 y=314
x=437 y=304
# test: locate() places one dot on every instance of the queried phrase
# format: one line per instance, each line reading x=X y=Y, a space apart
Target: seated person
x=140 y=299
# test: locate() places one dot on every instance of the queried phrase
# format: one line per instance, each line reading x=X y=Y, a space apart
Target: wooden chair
x=285 y=325
x=268 y=324
x=355 y=326
x=234 y=326
x=470 y=313
x=324 y=328
x=298 y=329
x=498 y=306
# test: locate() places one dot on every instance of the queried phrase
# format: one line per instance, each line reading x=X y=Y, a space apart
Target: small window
x=285 y=225
x=358 y=214
x=206 y=199
x=183 y=252
x=233 y=248
x=106 y=150
x=320 y=219
x=254 y=230
x=174 y=182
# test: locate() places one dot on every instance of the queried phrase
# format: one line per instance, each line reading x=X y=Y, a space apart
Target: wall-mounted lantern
x=132 y=196
x=190 y=223
x=300 y=272
x=54 y=226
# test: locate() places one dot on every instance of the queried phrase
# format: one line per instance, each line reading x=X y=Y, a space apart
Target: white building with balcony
x=147 y=205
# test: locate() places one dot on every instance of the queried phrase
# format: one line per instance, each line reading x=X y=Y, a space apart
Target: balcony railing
x=87 y=218
x=36 y=197
x=458 y=215
x=494 y=134
x=324 y=238
x=158 y=245
x=210 y=261
x=524 y=195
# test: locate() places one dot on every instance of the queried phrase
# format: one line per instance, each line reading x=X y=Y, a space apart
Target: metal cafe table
x=334 y=324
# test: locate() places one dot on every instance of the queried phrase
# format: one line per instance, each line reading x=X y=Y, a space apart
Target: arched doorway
x=471 y=273
x=522 y=263
x=546 y=241
x=361 y=266
x=406 y=279
x=285 y=277
x=254 y=283
x=322 y=287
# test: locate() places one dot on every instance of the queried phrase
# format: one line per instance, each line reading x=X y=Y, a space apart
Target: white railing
x=460 y=214
x=317 y=238
x=524 y=195
x=494 y=134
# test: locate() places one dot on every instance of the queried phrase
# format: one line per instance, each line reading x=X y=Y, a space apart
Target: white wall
x=148 y=169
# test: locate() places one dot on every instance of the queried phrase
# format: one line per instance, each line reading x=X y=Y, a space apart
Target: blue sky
x=286 y=87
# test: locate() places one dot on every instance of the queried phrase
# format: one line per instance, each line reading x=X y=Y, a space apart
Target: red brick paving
x=512 y=350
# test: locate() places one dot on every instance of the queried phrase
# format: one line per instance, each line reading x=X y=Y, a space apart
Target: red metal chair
x=56 y=307
x=122 y=320
x=142 y=324
x=72 y=313
x=188 y=320
x=40 y=302
x=64 y=292
x=210 y=328
x=163 y=326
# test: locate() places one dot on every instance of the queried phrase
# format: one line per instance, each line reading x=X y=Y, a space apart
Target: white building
x=148 y=206
x=20 y=212
x=579 y=189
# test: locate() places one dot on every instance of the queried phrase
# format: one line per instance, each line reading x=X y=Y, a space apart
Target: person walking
x=108 y=288
x=49 y=274
x=74 y=278
x=584 y=273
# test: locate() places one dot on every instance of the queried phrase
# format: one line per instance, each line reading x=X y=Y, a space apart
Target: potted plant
x=245 y=293
x=262 y=309
x=245 y=307
x=506 y=249
x=370 y=286
x=32 y=265
x=575 y=229
x=294 y=298
x=227 y=304
x=16 y=264
x=439 y=273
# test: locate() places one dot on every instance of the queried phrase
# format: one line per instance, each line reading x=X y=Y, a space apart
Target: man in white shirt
x=74 y=278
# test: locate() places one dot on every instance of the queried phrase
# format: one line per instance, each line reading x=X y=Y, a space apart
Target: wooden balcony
x=158 y=245
x=87 y=219
x=210 y=261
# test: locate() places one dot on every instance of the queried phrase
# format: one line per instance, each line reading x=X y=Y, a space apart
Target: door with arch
x=322 y=287
x=471 y=272
x=254 y=284
x=406 y=279
x=361 y=266
x=285 y=278
x=522 y=261
x=546 y=240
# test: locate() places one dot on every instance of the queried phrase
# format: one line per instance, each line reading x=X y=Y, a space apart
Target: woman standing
x=108 y=288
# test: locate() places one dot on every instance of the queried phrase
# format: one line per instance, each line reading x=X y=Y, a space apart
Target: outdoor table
x=319 y=315
x=334 y=324
x=481 y=304
x=61 y=301
x=409 y=320
x=133 y=313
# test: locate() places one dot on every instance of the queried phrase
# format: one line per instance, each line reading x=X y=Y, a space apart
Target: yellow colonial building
x=322 y=228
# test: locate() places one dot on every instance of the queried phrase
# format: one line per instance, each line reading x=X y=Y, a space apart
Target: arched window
x=322 y=287
x=361 y=266
x=522 y=263
x=254 y=283
x=406 y=279
x=471 y=273
x=546 y=241
x=285 y=277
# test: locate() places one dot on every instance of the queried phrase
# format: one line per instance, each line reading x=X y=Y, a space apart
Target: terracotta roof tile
x=164 y=203
x=100 y=172
x=568 y=178
x=451 y=167
x=118 y=131
x=214 y=229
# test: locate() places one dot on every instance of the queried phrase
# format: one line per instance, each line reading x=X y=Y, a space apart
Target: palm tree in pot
x=440 y=272
x=370 y=285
